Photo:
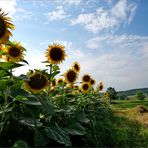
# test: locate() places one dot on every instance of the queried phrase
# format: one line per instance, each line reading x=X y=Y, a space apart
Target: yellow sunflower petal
x=55 y=53
x=71 y=76
x=85 y=86
x=5 y=25
x=92 y=82
x=100 y=86
x=76 y=66
x=37 y=83
x=86 y=78
x=15 y=52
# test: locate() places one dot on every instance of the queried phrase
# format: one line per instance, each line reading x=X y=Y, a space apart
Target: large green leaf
x=20 y=144
x=58 y=134
x=22 y=96
x=4 y=72
x=54 y=74
x=55 y=68
x=9 y=65
x=30 y=100
x=2 y=52
x=81 y=117
x=3 y=84
x=75 y=128
x=30 y=122
x=24 y=61
x=19 y=91
x=40 y=139
x=22 y=77
x=46 y=104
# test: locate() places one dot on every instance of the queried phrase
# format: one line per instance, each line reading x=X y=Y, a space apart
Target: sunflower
x=14 y=52
x=76 y=66
x=79 y=90
x=86 y=78
x=60 y=80
x=100 y=86
x=5 y=25
x=53 y=82
x=51 y=90
x=70 y=86
x=55 y=53
x=92 y=82
x=76 y=86
x=37 y=82
x=71 y=76
x=85 y=86
x=106 y=95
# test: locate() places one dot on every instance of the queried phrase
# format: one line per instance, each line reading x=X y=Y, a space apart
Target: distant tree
x=112 y=94
x=140 y=95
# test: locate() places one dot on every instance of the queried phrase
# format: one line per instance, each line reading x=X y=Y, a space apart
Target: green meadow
x=132 y=102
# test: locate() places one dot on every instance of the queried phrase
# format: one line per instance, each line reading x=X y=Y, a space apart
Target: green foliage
x=43 y=117
x=122 y=97
x=112 y=93
x=126 y=104
x=127 y=133
x=140 y=95
x=19 y=144
x=60 y=118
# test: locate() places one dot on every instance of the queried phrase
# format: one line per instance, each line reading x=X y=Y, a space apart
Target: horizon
x=108 y=38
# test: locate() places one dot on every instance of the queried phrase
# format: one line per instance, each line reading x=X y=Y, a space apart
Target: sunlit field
x=46 y=107
x=126 y=104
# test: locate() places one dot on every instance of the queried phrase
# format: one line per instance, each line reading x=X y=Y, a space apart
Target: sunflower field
x=39 y=110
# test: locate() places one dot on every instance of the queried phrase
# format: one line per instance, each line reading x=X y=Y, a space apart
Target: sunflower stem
x=50 y=69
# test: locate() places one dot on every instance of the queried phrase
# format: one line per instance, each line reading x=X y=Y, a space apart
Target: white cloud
x=132 y=9
x=11 y=7
x=117 y=41
x=8 y=6
x=120 y=68
x=119 y=10
x=108 y=1
x=72 y=2
x=95 y=22
x=145 y=50
x=23 y=14
x=68 y=2
x=58 y=14
x=124 y=62
x=107 y=19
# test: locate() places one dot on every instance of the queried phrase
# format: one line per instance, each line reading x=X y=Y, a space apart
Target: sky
x=109 y=38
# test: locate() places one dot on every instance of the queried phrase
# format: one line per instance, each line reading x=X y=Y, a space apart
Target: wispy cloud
x=107 y=19
x=124 y=60
x=132 y=8
x=23 y=15
x=58 y=14
x=72 y=2
x=117 y=68
x=120 y=70
x=69 y=2
x=117 y=41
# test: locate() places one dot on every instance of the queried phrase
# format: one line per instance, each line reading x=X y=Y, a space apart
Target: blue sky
x=109 y=38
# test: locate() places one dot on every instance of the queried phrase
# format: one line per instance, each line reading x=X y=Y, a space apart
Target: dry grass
x=140 y=113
